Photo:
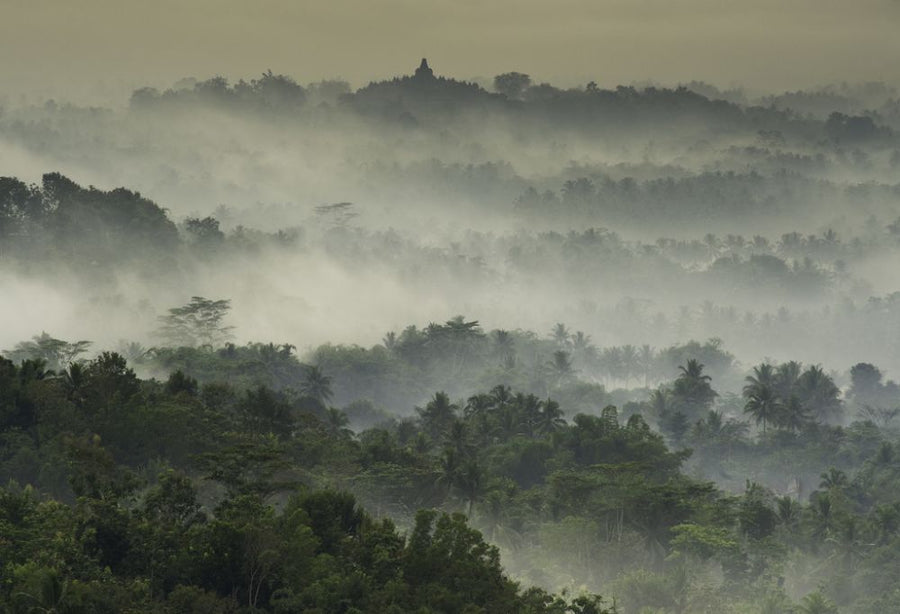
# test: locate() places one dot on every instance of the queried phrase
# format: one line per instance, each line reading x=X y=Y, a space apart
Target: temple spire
x=423 y=71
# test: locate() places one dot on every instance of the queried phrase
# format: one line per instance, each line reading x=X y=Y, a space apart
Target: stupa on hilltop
x=424 y=72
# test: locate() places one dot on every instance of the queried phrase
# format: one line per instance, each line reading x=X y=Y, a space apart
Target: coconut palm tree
x=645 y=362
x=337 y=422
x=615 y=363
x=788 y=511
x=630 y=362
x=457 y=437
x=833 y=479
x=561 y=335
x=561 y=367
x=819 y=394
x=389 y=340
x=763 y=404
x=763 y=377
x=504 y=345
x=787 y=375
x=816 y=603
x=691 y=392
x=317 y=385
x=794 y=415
x=470 y=481
x=550 y=418
x=437 y=415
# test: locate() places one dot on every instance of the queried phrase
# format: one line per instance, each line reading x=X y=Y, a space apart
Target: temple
x=423 y=72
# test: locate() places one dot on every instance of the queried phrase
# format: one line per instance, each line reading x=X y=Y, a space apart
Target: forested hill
x=434 y=345
x=424 y=97
x=231 y=493
x=60 y=220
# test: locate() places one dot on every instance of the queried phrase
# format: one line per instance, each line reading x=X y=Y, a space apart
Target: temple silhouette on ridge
x=419 y=94
x=424 y=72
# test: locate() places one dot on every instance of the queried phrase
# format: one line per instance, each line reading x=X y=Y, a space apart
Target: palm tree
x=527 y=413
x=457 y=437
x=763 y=404
x=819 y=394
x=788 y=511
x=448 y=470
x=885 y=520
x=438 y=414
x=833 y=479
x=337 y=422
x=691 y=392
x=794 y=415
x=645 y=362
x=477 y=409
x=74 y=381
x=389 y=340
x=763 y=377
x=630 y=362
x=470 y=482
x=504 y=345
x=580 y=341
x=849 y=548
x=659 y=402
x=787 y=376
x=561 y=367
x=501 y=395
x=612 y=363
x=693 y=369
x=317 y=385
x=561 y=335
x=822 y=516
x=550 y=419
x=816 y=603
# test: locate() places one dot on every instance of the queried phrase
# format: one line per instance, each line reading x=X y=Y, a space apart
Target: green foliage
x=198 y=323
x=192 y=493
x=56 y=354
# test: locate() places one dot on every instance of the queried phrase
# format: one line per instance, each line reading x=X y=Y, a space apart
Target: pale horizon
x=100 y=49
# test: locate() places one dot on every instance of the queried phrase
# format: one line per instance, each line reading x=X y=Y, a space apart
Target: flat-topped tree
x=199 y=323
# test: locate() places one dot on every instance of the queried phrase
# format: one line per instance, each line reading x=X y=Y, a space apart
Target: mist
x=635 y=320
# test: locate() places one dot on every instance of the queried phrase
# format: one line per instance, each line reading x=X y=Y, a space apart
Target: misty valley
x=433 y=345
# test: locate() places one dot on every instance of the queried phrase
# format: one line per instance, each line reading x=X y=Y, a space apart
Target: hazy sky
x=779 y=44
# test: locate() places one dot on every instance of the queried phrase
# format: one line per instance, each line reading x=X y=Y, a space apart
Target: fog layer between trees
x=574 y=315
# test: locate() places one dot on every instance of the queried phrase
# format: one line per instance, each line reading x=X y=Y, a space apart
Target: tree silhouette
x=691 y=392
x=764 y=405
x=316 y=385
x=199 y=323
x=512 y=84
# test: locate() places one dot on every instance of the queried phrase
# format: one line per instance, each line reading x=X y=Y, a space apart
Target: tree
x=438 y=415
x=199 y=323
x=561 y=367
x=550 y=419
x=337 y=423
x=763 y=404
x=819 y=395
x=787 y=377
x=55 y=352
x=264 y=412
x=316 y=385
x=444 y=551
x=816 y=603
x=692 y=393
x=763 y=377
x=630 y=362
x=205 y=232
x=512 y=84
x=794 y=416
x=561 y=335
